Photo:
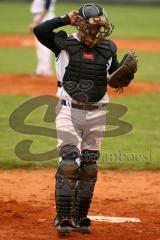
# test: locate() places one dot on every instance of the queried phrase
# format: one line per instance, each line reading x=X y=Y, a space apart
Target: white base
x=101 y=218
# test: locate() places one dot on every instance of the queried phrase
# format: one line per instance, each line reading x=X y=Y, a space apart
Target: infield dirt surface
x=23 y=84
x=27 y=206
x=136 y=44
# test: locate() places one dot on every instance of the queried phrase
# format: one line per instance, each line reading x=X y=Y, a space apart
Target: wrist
x=65 y=19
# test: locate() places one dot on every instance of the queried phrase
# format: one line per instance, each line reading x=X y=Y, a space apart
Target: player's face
x=88 y=37
x=94 y=30
x=87 y=32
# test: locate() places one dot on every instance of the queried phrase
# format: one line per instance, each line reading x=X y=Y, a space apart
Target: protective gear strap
x=90 y=156
x=69 y=152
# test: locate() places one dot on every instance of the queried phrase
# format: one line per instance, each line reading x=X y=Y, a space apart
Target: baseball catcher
x=86 y=62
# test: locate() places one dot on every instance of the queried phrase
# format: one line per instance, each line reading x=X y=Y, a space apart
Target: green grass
x=17 y=60
x=130 y=21
x=142 y=114
x=148 y=63
x=23 y=60
x=15 y=17
x=144 y=117
x=9 y=137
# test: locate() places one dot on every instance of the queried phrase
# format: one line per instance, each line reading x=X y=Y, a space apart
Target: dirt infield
x=23 y=84
x=27 y=206
x=123 y=44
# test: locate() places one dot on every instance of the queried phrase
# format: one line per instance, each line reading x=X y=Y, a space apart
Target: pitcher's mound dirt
x=27 y=41
x=23 y=84
x=27 y=206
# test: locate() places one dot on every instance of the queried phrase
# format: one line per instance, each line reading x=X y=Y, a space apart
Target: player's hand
x=100 y=21
x=74 y=18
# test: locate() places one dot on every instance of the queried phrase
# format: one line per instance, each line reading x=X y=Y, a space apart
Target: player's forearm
x=46 y=28
x=46 y=35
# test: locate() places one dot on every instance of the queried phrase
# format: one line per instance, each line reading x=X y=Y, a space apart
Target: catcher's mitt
x=125 y=73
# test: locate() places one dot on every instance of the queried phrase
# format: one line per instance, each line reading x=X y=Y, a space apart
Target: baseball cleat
x=64 y=230
x=64 y=227
x=85 y=226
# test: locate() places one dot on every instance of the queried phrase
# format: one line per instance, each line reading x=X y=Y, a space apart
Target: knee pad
x=68 y=167
x=88 y=172
x=69 y=152
x=90 y=156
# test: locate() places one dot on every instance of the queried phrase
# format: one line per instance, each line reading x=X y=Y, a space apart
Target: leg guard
x=86 y=183
x=66 y=177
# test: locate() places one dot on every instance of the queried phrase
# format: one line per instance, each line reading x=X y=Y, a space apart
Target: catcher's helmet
x=93 y=31
x=90 y=11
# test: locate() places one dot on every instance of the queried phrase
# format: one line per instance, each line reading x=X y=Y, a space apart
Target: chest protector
x=85 y=78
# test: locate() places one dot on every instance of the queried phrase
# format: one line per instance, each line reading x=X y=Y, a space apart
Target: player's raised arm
x=45 y=31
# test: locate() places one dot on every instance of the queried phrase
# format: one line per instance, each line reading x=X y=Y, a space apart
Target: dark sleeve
x=45 y=34
x=47 y=4
x=114 y=64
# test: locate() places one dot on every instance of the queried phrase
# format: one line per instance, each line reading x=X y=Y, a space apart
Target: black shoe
x=84 y=225
x=64 y=226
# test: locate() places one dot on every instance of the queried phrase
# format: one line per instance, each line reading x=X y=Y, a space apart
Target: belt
x=84 y=106
x=59 y=84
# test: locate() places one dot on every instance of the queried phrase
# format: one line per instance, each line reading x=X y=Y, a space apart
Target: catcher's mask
x=94 y=26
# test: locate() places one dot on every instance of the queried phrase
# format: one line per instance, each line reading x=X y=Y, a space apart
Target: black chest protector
x=85 y=78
